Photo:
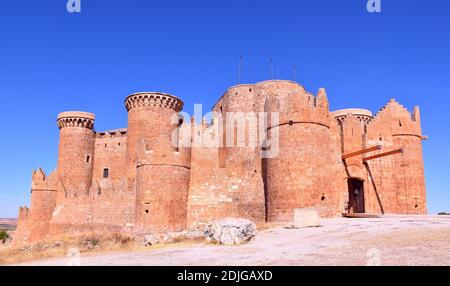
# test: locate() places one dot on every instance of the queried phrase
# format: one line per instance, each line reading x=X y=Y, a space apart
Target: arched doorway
x=356 y=196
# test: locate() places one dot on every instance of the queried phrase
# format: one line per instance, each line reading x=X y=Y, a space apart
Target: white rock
x=306 y=218
x=231 y=231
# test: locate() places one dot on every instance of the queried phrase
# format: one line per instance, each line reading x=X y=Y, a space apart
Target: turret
x=394 y=127
x=22 y=232
x=157 y=166
x=150 y=117
x=43 y=203
x=76 y=152
x=299 y=175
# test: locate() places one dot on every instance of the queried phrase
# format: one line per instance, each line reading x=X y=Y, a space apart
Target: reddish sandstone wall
x=22 y=233
x=209 y=198
x=159 y=165
x=299 y=177
x=110 y=153
x=240 y=154
x=150 y=117
x=398 y=179
x=76 y=144
x=111 y=209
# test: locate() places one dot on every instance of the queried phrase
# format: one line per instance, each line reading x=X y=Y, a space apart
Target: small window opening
x=147 y=211
x=323 y=197
x=105 y=173
x=416 y=206
x=119 y=144
x=400 y=123
x=106 y=145
x=88 y=159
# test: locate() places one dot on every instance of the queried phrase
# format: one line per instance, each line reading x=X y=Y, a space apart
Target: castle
x=136 y=180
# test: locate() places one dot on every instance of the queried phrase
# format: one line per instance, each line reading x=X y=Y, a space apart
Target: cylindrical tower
x=150 y=118
x=409 y=175
x=159 y=168
x=298 y=175
x=76 y=152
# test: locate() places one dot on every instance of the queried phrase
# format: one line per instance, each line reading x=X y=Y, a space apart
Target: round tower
x=297 y=175
x=409 y=175
x=150 y=118
x=76 y=152
x=158 y=168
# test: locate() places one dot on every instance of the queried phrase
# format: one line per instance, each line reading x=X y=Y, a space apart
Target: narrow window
x=88 y=159
x=105 y=173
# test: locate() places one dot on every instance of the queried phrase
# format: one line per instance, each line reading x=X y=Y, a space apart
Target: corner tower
x=395 y=127
x=76 y=152
x=157 y=167
x=43 y=203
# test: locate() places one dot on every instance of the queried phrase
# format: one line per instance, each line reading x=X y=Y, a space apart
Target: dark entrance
x=356 y=196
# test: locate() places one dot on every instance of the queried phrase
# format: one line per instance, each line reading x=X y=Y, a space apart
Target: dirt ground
x=391 y=240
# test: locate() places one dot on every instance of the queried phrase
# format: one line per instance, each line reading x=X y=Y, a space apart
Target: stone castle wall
x=157 y=175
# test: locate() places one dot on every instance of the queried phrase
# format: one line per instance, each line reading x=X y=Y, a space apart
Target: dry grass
x=86 y=244
x=59 y=247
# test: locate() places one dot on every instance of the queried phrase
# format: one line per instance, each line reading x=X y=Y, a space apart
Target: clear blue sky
x=51 y=61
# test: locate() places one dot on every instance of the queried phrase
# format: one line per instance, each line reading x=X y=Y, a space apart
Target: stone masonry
x=147 y=179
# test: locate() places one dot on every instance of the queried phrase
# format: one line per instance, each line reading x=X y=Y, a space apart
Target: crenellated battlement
x=116 y=133
x=296 y=105
x=153 y=99
x=23 y=214
x=41 y=182
x=363 y=115
x=398 y=118
x=76 y=119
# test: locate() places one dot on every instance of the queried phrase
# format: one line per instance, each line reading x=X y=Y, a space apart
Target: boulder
x=306 y=218
x=231 y=231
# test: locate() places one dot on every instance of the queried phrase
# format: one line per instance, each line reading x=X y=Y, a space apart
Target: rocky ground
x=391 y=240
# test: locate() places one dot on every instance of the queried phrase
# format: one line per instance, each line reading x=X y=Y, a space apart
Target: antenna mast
x=294 y=71
x=240 y=70
x=271 y=68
